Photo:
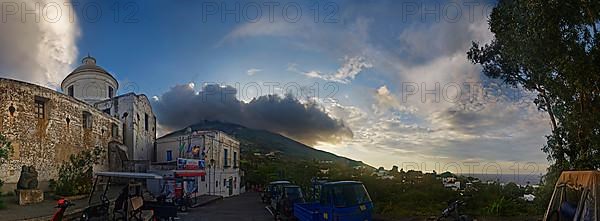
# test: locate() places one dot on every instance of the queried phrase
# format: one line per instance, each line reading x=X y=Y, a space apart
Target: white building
x=451 y=182
x=90 y=82
x=382 y=174
x=220 y=152
x=97 y=87
x=138 y=123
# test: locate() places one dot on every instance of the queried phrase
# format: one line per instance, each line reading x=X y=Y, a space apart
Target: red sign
x=189 y=164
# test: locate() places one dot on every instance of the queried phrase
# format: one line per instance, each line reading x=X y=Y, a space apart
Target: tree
x=552 y=48
x=75 y=176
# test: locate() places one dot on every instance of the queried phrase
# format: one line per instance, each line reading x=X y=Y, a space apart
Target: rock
x=25 y=197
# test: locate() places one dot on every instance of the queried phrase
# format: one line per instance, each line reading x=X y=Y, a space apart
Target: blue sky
x=373 y=53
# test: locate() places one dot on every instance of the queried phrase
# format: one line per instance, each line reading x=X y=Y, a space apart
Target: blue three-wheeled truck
x=337 y=201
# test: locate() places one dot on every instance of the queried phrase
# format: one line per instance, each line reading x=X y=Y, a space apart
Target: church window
x=40 y=107
x=114 y=130
x=87 y=120
x=146 y=121
x=71 y=91
x=111 y=92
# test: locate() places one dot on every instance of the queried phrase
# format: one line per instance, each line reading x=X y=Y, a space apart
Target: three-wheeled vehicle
x=130 y=203
x=271 y=191
x=284 y=206
x=576 y=197
x=341 y=200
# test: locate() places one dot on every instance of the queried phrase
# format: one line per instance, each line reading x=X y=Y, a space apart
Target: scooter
x=62 y=205
x=452 y=212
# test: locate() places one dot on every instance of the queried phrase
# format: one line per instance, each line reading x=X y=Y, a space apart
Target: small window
x=106 y=111
x=224 y=182
x=234 y=159
x=111 y=92
x=225 y=156
x=71 y=91
x=114 y=130
x=146 y=121
x=40 y=109
x=87 y=120
x=169 y=155
x=202 y=178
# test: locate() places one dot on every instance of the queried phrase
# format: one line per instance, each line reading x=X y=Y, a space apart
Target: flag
x=181 y=146
x=189 y=148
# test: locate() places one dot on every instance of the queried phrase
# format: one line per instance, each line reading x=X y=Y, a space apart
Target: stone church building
x=46 y=126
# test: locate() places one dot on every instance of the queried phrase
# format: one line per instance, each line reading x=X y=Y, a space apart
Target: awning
x=189 y=173
x=129 y=175
x=579 y=179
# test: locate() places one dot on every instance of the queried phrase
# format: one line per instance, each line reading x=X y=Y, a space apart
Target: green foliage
x=5 y=148
x=5 y=152
x=52 y=184
x=552 y=48
x=75 y=176
x=544 y=193
x=409 y=194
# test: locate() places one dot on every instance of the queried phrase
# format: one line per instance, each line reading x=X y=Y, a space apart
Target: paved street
x=246 y=207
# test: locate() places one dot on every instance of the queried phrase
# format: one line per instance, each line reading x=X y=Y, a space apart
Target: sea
x=521 y=179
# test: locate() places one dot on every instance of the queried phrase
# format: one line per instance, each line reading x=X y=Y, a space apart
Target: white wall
x=132 y=109
x=90 y=87
x=215 y=143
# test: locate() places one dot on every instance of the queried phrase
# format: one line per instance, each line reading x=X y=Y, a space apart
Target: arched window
x=71 y=91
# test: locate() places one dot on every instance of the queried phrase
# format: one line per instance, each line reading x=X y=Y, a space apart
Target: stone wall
x=46 y=140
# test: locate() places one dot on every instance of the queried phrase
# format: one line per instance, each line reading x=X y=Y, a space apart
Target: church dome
x=90 y=82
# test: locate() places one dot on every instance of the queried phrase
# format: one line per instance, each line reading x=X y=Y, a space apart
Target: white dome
x=90 y=82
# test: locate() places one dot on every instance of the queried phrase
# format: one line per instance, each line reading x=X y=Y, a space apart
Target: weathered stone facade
x=46 y=127
x=138 y=123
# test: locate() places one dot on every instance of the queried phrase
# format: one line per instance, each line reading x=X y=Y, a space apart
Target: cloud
x=304 y=121
x=351 y=67
x=394 y=127
x=386 y=101
x=39 y=52
x=253 y=71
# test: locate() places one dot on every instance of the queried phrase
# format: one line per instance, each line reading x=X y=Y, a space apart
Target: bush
x=52 y=184
x=5 y=152
x=75 y=176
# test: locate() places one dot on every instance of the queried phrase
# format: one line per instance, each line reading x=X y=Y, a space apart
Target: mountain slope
x=254 y=140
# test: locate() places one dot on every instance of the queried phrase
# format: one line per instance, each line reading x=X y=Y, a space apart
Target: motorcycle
x=62 y=206
x=452 y=212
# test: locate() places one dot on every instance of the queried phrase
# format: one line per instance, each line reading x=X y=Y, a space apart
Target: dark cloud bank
x=182 y=106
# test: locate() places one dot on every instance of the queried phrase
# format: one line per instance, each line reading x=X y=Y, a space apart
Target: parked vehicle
x=129 y=204
x=342 y=201
x=284 y=208
x=270 y=190
x=575 y=197
x=452 y=212
x=62 y=206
